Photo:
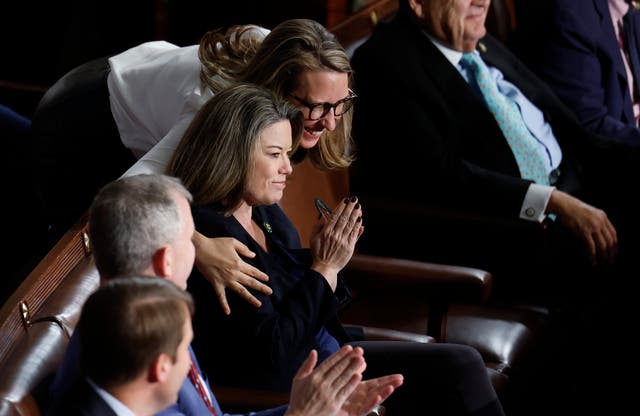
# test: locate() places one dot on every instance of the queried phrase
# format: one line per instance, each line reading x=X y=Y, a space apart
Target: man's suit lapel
x=636 y=34
x=451 y=84
x=610 y=47
x=495 y=54
x=489 y=50
x=609 y=43
x=205 y=378
x=468 y=109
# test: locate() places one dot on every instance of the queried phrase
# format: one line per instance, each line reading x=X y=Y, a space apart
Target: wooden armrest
x=385 y=334
x=379 y=272
x=447 y=236
x=242 y=400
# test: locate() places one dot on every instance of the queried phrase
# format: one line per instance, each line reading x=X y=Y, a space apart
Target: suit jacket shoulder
x=81 y=400
x=418 y=113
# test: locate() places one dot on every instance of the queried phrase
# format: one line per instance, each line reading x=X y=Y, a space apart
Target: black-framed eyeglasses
x=320 y=110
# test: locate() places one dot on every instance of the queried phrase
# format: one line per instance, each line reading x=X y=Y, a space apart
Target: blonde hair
x=223 y=55
x=292 y=47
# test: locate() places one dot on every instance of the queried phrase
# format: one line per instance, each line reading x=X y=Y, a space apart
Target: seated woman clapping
x=234 y=158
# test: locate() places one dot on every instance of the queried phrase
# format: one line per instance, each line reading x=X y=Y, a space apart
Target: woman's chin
x=309 y=141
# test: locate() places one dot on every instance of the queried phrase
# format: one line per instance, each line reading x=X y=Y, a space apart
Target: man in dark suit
x=427 y=142
x=413 y=88
x=590 y=56
x=134 y=349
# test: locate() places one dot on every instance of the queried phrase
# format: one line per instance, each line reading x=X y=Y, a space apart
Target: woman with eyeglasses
x=299 y=60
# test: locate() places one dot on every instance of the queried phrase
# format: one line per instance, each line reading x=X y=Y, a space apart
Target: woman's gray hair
x=214 y=157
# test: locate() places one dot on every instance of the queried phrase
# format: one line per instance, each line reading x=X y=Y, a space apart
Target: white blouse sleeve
x=157 y=159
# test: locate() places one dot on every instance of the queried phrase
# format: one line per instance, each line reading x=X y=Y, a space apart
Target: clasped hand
x=334 y=237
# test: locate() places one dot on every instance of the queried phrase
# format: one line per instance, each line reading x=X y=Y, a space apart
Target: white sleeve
x=535 y=202
x=157 y=159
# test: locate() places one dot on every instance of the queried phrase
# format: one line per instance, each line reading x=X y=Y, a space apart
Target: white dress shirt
x=537 y=196
x=154 y=92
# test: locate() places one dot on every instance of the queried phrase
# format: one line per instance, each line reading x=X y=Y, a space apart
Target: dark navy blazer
x=81 y=400
x=264 y=347
x=581 y=60
x=189 y=401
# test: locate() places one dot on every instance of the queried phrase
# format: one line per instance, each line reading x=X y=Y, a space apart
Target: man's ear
x=160 y=369
x=417 y=7
x=162 y=262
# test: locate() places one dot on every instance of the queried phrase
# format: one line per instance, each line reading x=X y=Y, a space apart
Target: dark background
x=43 y=40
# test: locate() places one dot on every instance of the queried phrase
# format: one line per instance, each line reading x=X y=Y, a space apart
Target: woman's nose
x=286 y=166
x=329 y=121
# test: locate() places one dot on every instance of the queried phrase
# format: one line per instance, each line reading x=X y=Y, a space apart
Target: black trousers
x=439 y=379
x=76 y=146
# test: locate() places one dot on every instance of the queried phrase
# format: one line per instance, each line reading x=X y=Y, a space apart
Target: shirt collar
x=618 y=8
x=116 y=405
x=452 y=55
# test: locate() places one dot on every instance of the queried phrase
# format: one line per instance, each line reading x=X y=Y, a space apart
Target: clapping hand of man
x=335 y=387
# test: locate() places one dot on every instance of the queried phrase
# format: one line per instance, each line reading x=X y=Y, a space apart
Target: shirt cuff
x=535 y=202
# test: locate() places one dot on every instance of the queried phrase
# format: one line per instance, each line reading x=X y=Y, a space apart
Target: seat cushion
x=503 y=335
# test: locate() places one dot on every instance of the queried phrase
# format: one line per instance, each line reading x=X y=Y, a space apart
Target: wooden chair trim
x=362 y=22
x=386 y=334
x=26 y=301
x=27 y=406
x=23 y=87
x=375 y=270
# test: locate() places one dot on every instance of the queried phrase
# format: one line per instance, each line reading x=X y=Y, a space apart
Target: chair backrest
x=355 y=29
x=37 y=320
x=501 y=19
x=304 y=185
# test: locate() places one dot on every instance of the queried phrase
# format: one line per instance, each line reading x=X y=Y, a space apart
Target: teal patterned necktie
x=532 y=161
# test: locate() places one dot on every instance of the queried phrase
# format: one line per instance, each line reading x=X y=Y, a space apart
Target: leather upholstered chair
x=352 y=31
x=446 y=302
x=501 y=19
x=37 y=320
